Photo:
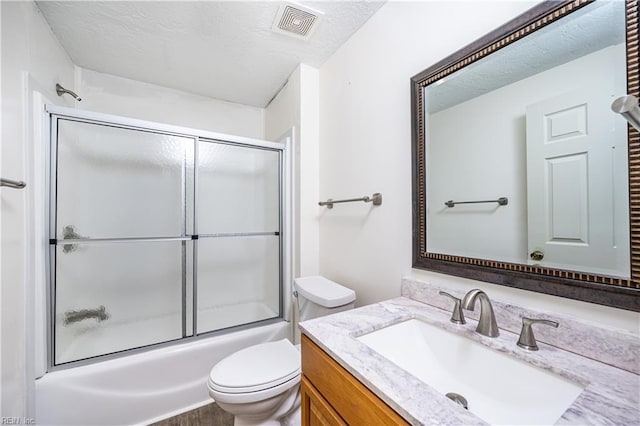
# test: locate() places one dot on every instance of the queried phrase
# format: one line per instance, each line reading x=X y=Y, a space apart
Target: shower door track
x=169 y=129
x=54 y=113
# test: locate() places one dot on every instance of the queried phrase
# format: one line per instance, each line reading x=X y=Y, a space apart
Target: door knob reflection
x=537 y=255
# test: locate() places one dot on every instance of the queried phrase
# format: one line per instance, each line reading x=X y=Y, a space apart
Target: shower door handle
x=69 y=233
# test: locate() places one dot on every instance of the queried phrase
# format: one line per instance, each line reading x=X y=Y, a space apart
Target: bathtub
x=141 y=388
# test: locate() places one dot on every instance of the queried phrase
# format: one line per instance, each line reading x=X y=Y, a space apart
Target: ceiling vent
x=296 y=20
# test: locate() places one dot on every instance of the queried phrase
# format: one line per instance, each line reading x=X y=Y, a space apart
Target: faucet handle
x=527 y=340
x=457 y=316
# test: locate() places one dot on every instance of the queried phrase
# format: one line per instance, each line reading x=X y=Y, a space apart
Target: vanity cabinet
x=332 y=396
x=316 y=410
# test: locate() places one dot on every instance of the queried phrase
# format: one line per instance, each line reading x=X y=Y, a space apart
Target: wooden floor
x=209 y=415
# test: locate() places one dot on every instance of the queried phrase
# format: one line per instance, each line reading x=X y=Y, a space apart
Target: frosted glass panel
x=131 y=189
x=238 y=189
x=116 y=296
x=115 y=182
x=190 y=188
x=238 y=281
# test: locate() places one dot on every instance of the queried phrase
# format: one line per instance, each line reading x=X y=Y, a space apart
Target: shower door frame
x=53 y=113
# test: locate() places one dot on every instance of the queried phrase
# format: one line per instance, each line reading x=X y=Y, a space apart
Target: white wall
x=309 y=165
x=365 y=134
x=283 y=112
x=489 y=153
x=130 y=98
x=297 y=105
x=27 y=46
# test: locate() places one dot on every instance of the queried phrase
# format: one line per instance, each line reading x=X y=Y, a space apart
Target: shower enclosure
x=158 y=234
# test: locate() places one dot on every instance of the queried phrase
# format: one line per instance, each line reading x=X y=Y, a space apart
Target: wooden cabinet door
x=342 y=393
x=316 y=411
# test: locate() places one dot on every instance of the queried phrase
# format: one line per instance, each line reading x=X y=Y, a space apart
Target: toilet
x=260 y=384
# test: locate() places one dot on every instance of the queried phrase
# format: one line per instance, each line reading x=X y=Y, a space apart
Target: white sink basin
x=499 y=389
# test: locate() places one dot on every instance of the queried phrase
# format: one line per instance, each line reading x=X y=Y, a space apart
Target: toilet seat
x=256 y=373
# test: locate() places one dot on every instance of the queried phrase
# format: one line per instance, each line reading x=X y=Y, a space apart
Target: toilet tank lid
x=324 y=292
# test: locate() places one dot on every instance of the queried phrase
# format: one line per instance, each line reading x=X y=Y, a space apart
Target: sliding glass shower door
x=239 y=235
x=148 y=224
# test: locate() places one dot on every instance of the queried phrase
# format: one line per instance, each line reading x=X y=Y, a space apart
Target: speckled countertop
x=611 y=395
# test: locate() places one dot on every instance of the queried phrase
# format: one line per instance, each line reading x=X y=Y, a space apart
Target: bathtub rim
x=181 y=343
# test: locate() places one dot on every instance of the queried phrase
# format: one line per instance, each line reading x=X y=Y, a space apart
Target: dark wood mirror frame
x=604 y=290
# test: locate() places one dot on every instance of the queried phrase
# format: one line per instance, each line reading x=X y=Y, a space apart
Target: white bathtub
x=141 y=388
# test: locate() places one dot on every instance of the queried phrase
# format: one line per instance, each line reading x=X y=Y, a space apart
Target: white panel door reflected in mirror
x=577 y=198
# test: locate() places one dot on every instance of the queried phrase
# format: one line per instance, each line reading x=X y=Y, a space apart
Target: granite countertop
x=611 y=395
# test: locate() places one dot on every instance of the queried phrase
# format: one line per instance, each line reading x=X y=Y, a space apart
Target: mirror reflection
x=531 y=124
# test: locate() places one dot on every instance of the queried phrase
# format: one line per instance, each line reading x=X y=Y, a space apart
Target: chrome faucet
x=487 y=325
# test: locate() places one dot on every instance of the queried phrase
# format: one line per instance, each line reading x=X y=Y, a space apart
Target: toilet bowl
x=260 y=384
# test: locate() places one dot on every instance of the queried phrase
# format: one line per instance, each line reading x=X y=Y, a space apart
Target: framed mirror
x=522 y=174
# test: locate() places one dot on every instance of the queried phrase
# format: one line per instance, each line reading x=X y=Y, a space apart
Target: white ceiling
x=221 y=49
x=594 y=27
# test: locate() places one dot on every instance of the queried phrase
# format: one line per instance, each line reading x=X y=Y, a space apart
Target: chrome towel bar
x=376 y=199
x=12 y=183
x=503 y=201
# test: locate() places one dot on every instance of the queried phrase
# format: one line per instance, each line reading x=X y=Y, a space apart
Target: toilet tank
x=318 y=296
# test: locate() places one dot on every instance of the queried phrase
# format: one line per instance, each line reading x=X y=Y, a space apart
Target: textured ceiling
x=221 y=49
x=585 y=31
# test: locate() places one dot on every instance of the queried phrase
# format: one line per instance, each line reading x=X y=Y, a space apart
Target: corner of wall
x=309 y=142
x=297 y=105
x=77 y=77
